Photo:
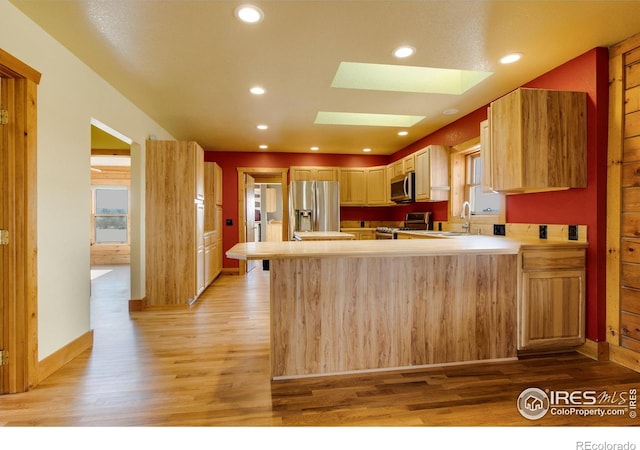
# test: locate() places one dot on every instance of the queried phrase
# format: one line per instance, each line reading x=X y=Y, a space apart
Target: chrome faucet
x=467 y=225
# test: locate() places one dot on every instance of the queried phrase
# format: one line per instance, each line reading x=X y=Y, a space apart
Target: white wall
x=69 y=96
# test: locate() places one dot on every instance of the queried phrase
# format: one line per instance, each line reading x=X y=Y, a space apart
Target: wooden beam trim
x=11 y=67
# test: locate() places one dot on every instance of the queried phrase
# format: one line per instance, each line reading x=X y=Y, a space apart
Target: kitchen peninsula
x=349 y=306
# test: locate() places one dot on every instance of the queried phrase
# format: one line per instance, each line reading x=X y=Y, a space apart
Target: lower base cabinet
x=551 y=304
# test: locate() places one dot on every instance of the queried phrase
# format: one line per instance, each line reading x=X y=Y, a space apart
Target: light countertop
x=468 y=244
x=321 y=235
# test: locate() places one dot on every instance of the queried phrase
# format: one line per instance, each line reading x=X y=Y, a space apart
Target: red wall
x=587 y=73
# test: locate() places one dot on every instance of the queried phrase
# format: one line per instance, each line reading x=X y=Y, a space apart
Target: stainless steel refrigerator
x=314 y=206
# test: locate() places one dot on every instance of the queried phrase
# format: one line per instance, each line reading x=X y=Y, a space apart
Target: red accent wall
x=587 y=73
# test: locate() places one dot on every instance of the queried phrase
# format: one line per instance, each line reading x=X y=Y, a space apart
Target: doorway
x=18 y=249
x=110 y=225
x=250 y=230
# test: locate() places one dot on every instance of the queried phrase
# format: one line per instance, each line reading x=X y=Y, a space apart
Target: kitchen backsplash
x=514 y=230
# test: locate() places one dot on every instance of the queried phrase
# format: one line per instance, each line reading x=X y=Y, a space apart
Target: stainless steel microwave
x=403 y=188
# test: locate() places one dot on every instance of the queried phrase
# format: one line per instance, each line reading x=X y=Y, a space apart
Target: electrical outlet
x=573 y=232
x=543 y=232
x=499 y=230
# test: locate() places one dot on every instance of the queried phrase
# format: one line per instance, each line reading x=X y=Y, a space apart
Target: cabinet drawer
x=553 y=259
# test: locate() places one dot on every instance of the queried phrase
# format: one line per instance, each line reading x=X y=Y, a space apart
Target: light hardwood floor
x=209 y=366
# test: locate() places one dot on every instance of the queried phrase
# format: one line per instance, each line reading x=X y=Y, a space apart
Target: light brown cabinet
x=174 y=224
x=353 y=186
x=377 y=186
x=361 y=233
x=485 y=154
x=432 y=173
x=364 y=186
x=312 y=173
x=213 y=221
x=538 y=141
x=551 y=305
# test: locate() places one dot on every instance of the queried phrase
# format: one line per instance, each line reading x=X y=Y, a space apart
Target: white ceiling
x=189 y=64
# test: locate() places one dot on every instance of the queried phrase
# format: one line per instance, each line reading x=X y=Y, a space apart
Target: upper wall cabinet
x=303 y=173
x=538 y=141
x=432 y=173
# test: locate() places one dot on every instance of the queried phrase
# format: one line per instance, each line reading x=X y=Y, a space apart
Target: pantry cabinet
x=432 y=173
x=174 y=222
x=213 y=221
x=538 y=141
x=551 y=304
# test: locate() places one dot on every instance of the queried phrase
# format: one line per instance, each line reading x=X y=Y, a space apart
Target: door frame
x=260 y=172
x=19 y=293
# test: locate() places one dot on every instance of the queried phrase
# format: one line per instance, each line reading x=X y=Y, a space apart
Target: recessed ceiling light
x=403 y=133
x=450 y=111
x=264 y=147
x=249 y=13
x=510 y=58
x=404 y=51
x=315 y=149
x=257 y=90
x=262 y=127
x=366 y=150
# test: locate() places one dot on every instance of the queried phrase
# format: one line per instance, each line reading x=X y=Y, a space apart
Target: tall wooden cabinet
x=213 y=221
x=538 y=141
x=174 y=223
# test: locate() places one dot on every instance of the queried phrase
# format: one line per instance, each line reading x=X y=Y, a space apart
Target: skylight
x=366 y=119
x=387 y=77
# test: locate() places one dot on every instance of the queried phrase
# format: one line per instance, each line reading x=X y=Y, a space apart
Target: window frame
x=94 y=214
x=460 y=187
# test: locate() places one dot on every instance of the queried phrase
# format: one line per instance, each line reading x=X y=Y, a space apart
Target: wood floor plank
x=208 y=365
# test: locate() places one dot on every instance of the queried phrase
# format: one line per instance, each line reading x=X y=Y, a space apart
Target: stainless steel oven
x=412 y=221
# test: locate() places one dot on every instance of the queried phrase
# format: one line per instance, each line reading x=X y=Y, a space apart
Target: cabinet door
x=326 y=174
x=409 y=163
x=301 y=174
x=485 y=154
x=551 y=313
x=353 y=187
x=199 y=170
x=218 y=183
x=377 y=186
x=423 y=175
x=200 y=254
x=439 y=172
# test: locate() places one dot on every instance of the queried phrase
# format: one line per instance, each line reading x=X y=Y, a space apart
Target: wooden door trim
x=260 y=172
x=20 y=300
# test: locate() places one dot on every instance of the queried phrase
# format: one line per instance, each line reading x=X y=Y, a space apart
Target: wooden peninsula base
x=336 y=315
x=352 y=306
